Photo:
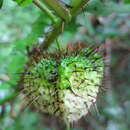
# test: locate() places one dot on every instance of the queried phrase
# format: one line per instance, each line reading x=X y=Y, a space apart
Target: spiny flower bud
x=65 y=86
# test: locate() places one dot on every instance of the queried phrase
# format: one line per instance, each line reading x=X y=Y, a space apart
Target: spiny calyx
x=65 y=86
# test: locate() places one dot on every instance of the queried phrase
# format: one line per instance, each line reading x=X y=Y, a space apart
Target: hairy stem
x=60 y=10
x=68 y=126
x=57 y=27
x=43 y=7
x=52 y=35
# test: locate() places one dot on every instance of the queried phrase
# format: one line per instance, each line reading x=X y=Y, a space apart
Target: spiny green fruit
x=66 y=86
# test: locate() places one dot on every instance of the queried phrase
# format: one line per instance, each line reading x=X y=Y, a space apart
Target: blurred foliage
x=23 y=2
x=100 y=22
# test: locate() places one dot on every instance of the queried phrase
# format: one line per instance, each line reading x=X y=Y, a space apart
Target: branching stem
x=44 y=8
x=57 y=27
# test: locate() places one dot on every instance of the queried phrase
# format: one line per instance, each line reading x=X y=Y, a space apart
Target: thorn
x=31 y=102
x=96 y=109
x=63 y=26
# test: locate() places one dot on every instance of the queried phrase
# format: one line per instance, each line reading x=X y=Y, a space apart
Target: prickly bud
x=65 y=86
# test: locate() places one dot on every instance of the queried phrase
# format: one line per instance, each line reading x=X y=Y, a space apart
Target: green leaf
x=37 y=31
x=99 y=8
x=9 y=96
x=1 y=3
x=23 y=2
x=127 y=1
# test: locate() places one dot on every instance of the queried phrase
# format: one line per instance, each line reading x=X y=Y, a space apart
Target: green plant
x=59 y=22
x=49 y=84
x=64 y=84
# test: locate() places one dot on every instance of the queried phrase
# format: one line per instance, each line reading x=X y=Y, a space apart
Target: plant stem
x=43 y=7
x=52 y=35
x=57 y=27
x=77 y=4
x=67 y=126
x=60 y=10
x=58 y=45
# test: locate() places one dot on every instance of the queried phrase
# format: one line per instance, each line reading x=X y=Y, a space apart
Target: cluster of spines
x=52 y=91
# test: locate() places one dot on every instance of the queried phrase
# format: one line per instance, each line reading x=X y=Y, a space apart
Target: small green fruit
x=65 y=86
